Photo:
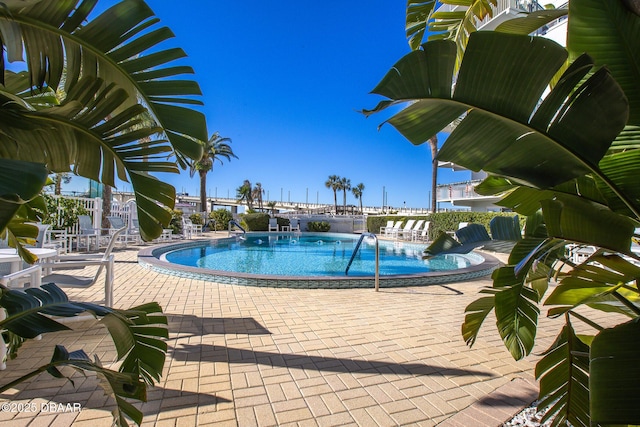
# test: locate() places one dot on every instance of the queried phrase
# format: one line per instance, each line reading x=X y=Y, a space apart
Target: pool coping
x=149 y=258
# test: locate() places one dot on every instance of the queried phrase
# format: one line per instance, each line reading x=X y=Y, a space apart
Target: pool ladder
x=234 y=222
x=355 y=251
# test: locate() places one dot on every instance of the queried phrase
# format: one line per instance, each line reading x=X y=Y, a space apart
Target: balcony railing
x=457 y=191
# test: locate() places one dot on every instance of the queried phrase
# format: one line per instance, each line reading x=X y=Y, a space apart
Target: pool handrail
x=234 y=222
x=355 y=251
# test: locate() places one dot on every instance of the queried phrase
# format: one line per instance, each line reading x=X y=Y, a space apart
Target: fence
x=127 y=211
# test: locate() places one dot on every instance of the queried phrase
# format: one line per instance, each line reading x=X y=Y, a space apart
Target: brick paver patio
x=250 y=356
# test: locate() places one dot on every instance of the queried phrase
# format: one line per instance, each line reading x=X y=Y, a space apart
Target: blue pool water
x=312 y=255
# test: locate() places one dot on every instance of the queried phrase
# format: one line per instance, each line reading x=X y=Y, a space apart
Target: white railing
x=457 y=191
x=93 y=207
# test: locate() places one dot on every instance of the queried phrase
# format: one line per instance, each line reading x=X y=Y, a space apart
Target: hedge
x=440 y=222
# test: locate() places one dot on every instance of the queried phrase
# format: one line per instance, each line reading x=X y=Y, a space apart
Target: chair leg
x=108 y=285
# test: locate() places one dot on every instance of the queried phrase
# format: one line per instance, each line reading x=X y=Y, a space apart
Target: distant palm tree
x=272 y=206
x=345 y=185
x=257 y=194
x=333 y=182
x=244 y=194
x=357 y=193
x=214 y=149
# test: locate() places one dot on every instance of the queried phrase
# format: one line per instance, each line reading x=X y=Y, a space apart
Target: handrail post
x=377 y=255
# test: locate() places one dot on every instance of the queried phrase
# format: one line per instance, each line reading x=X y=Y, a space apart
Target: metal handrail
x=355 y=251
x=234 y=222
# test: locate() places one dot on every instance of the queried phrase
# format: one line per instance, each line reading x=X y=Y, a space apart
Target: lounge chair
x=421 y=234
x=294 y=224
x=409 y=233
x=405 y=230
x=394 y=229
x=273 y=224
x=389 y=226
x=103 y=261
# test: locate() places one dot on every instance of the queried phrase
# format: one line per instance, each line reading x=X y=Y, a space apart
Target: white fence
x=126 y=210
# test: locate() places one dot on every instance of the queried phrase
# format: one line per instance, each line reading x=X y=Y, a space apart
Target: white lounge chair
x=394 y=229
x=422 y=235
x=294 y=223
x=117 y=223
x=406 y=229
x=409 y=234
x=103 y=261
x=389 y=226
x=273 y=224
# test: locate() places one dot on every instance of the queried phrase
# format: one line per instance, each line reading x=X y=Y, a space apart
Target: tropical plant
x=357 y=193
x=566 y=160
x=344 y=186
x=272 y=206
x=62 y=213
x=318 y=226
x=216 y=148
x=244 y=193
x=136 y=333
x=112 y=74
x=333 y=182
x=221 y=218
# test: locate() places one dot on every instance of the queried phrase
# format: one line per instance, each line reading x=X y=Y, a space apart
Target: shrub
x=65 y=217
x=256 y=221
x=221 y=217
x=321 y=226
x=283 y=222
x=176 y=221
x=196 y=218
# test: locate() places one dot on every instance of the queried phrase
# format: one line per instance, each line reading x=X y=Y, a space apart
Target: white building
x=460 y=192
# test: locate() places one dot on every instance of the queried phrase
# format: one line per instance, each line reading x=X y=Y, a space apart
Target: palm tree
x=257 y=194
x=244 y=194
x=333 y=182
x=357 y=193
x=433 y=145
x=272 y=206
x=216 y=148
x=345 y=185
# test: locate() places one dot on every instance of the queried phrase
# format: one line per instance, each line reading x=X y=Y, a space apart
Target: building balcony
x=463 y=194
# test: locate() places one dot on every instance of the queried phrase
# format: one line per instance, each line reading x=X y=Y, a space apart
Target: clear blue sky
x=284 y=80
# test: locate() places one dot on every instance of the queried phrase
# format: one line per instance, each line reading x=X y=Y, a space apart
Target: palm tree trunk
x=106 y=206
x=433 y=143
x=344 y=202
x=361 y=211
x=335 y=201
x=203 y=192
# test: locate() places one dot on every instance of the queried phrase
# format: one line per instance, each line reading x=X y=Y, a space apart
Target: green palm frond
x=123 y=45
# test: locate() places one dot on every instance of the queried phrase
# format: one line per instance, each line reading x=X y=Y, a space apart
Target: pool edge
x=149 y=258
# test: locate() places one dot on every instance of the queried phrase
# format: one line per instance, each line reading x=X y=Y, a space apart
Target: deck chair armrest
x=34 y=270
x=74 y=264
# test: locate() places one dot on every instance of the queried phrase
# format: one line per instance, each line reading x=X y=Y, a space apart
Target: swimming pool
x=310 y=260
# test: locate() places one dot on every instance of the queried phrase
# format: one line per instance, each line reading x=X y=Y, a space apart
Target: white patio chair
x=405 y=230
x=87 y=232
x=104 y=261
x=408 y=234
x=117 y=223
x=273 y=224
x=393 y=230
x=389 y=226
x=422 y=235
x=294 y=223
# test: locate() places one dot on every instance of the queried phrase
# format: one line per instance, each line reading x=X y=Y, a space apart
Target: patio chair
x=273 y=224
x=117 y=223
x=408 y=234
x=393 y=230
x=389 y=226
x=104 y=261
x=87 y=232
x=405 y=230
x=294 y=223
x=189 y=229
x=422 y=235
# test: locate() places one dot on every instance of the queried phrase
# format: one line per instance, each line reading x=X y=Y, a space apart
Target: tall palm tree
x=244 y=194
x=345 y=185
x=257 y=194
x=216 y=148
x=357 y=193
x=433 y=145
x=333 y=182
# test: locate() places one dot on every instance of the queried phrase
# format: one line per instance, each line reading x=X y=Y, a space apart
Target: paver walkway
x=249 y=356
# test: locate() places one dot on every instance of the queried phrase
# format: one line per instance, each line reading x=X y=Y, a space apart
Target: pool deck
x=256 y=356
